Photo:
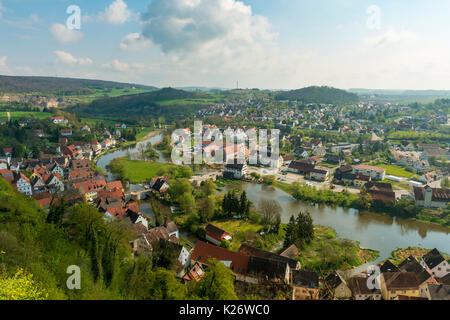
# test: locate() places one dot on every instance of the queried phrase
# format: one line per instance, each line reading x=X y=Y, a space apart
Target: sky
x=266 y=44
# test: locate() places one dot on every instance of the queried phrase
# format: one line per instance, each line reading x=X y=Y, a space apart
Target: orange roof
x=91 y=185
x=115 y=185
x=203 y=251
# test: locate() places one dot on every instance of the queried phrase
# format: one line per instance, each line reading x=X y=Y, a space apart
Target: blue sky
x=270 y=44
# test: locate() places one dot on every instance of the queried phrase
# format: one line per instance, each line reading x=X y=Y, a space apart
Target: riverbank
x=348 y=200
x=401 y=254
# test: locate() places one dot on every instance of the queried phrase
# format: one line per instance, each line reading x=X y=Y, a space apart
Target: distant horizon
x=212 y=87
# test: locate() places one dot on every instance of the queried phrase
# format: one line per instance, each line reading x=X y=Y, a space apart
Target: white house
x=375 y=173
x=435 y=264
x=320 y=174
x=235 y=170
x=23 y=184
x=428 y=197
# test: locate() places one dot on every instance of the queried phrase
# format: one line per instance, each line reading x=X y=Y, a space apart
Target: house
x=23 y=184
x=78 y=164
x=436 y=292
x=407 y=146
x=334 y=159
x=427 y=146
x=361 y=291
x=394 y=284
x=63 y=141
x=59 y=120
x=90 y=188
x=196 y=273
x=255 y=252
x=305 y=285
x=290 y=252
x=96 y=146
x=54 y=168
x=435 y=264
x=66 y=132
x=435 y=153
x=376 y=173
x=235 y=261
x=336 y=287
x=319 y=152
x=44 y=199
x=388 y=266
x=287 y=159
x=235 y=171
x=343 y=170
x=264 y=270
x=53 y=182
x=301 y=167
x=380 y=191
x=8 y=152
x=423 y=277
x=428 y=197
x=86 y=128
x=216 y=235
x=160 y=184
x=320 y=174
x=171 y=228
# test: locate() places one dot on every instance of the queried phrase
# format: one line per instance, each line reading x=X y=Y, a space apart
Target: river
x=372 y=230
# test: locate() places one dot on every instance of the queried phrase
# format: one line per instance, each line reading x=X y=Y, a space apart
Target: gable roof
x=410 y=264
x=255 y=252
x=215 y=230
x=304 y=278
x=388 y=266
x=439 y=292
x=267 y=268
x=359 y=286
x=334 y=279
x=203 y=251
x=400 y=280
x=433 y=258
x=290 y=252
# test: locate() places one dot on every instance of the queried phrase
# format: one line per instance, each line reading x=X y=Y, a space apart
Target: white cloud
x=3 y=62
x=118 y=66
x=186 y=25
x=67 y=58
x=116 y=13
x=134 y=41
x=34 y=18
x=64 y=35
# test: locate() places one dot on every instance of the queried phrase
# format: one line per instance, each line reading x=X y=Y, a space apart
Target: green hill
x=172 y=104
x=61 y=86
x=326 y=95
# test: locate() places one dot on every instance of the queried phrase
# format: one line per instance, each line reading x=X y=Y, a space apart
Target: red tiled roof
x=203 y=251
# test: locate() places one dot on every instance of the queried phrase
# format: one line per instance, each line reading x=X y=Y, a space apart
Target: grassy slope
x=139 y=171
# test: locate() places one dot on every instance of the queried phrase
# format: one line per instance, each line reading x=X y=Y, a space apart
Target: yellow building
x=395 y=284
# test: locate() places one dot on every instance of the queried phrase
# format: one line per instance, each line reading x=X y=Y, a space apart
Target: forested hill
x=64 y=86
x=172 y=104
x=326 y=95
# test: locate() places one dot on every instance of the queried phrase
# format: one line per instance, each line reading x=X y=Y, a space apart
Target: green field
x=111 y=94
x=187 y=101
x=17 y=115
x=396 y=171
x=326 y=252
x=140 y=171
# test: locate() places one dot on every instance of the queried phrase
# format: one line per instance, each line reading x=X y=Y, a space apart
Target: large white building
x=428 y=197
x=376 y=173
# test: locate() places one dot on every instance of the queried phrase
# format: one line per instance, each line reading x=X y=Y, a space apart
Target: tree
x=270 y=210
x=291 y=233
x=21 y=286
x=445 y=183
x=217 y=284
x=209 y=188
x=56 y=212
x=305 y=229
x=179 y=187
x=187 y=202
x=206 y=208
